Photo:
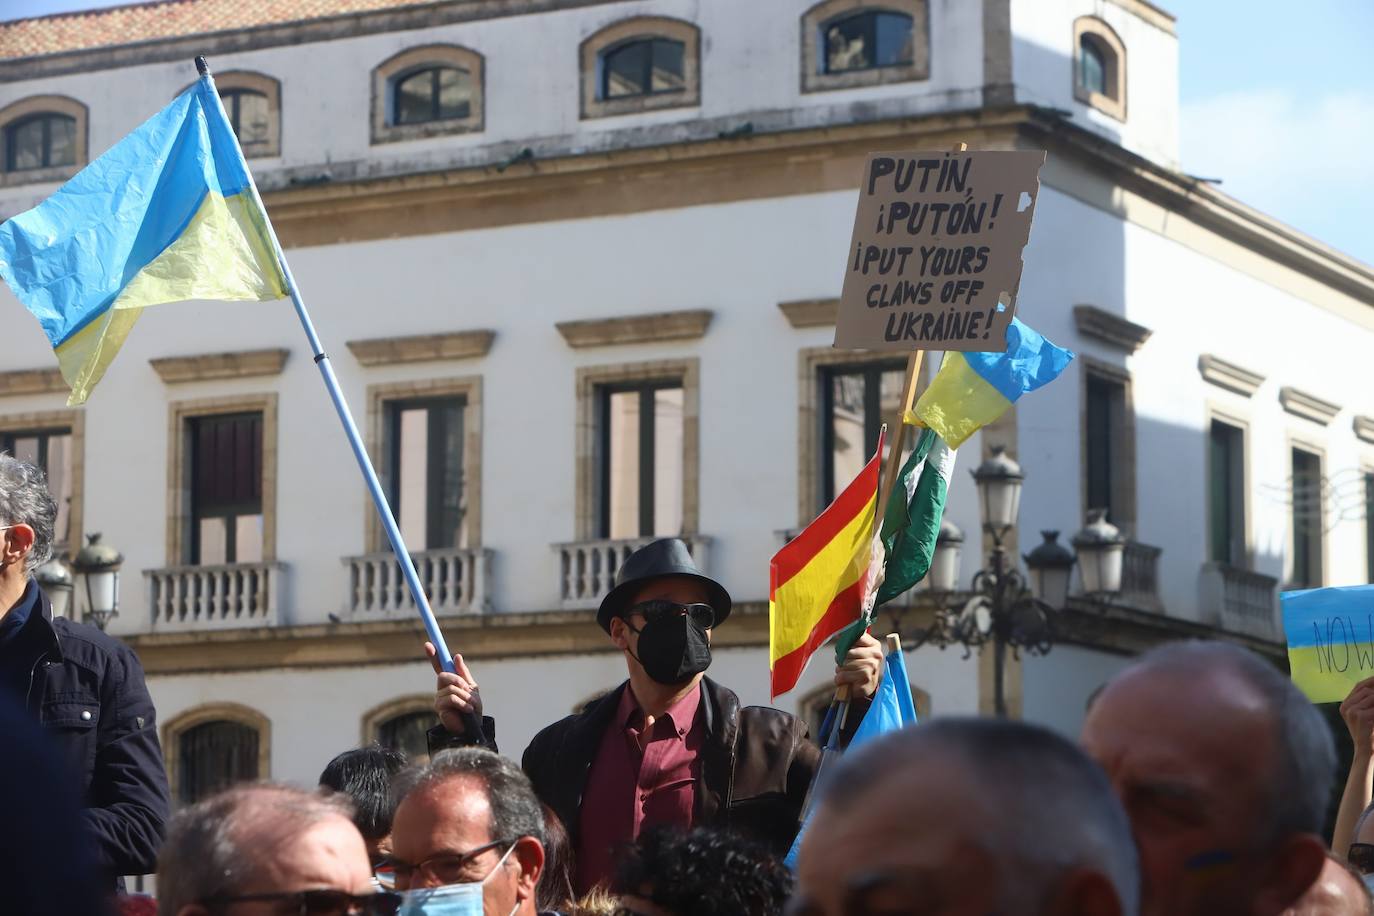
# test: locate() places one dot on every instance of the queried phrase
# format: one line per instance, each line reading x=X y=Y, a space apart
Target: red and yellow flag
x=816 y=582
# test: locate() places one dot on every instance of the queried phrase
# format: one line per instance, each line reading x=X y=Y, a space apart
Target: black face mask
x=673 y=649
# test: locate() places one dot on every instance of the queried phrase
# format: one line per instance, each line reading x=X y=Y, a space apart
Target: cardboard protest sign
x=1330 y=635
x=936 y=247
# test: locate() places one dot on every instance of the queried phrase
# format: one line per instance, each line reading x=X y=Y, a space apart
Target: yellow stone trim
x=207 y=367
x=31 y=381
x=633 y=329
x=349 y=645
x=810 y=313
x=385 y=351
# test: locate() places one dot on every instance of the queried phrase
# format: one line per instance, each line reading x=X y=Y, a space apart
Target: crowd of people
x=1200 y=785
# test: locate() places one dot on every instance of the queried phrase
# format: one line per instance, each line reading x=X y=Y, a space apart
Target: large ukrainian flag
x=168 y=214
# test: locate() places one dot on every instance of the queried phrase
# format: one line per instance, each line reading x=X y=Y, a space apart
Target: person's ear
x=16 y=543
x=1084 y=892
x=529 y=855
x=1290 y=872
x=620 y=633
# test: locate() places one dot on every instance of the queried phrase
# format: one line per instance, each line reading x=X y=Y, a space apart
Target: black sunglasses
x=320 y=902
x=1361 y=856
x=702 y=614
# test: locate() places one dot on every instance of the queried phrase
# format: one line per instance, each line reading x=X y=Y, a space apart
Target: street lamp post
x=98 y=566
x=55 y=579
x=1003 y=606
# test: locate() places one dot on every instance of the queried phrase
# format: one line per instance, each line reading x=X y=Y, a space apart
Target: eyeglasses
x=447 y=868
x=702 y=614
x=321 y=902
x=1361 y=856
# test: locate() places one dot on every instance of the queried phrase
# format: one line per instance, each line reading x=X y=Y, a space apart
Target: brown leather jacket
x=757 y=763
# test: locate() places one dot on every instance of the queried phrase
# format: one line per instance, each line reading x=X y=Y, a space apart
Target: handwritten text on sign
x=1330 y=633
x=937 y=245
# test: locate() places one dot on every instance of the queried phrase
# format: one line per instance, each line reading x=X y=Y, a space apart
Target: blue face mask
x=451 y=899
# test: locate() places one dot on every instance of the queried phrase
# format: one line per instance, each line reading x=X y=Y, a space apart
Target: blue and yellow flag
x=973 y=389
x=166 y=215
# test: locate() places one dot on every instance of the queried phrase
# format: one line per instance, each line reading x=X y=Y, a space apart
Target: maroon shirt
x=637 y=780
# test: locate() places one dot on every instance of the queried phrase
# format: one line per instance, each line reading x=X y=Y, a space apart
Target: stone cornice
x=1364 y=428
x=810 y=313
x=382 y=351
x=31 y=381
x=1226 y=375
x=634 y=329
x=327 y=28
x=1307 y=406
x=483 y=636
x=205 y=367
x=1110 y=329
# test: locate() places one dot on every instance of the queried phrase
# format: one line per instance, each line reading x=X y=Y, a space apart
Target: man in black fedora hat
x=668 y=746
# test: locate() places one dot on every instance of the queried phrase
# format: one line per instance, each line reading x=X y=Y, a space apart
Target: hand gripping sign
x=936 y=255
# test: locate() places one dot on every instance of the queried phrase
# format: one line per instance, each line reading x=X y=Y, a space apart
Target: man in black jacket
x=85 y=688
x=668 y=746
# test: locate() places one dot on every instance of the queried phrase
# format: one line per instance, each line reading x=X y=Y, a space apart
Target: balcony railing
x=455 y=582
x=1242 y=599
x=1140 y=576
x=215 y=597
x=587 y=568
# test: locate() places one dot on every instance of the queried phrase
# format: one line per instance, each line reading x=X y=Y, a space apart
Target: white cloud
x=1304 y=160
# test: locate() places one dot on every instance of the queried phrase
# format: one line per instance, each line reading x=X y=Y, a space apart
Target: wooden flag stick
x=896 y=433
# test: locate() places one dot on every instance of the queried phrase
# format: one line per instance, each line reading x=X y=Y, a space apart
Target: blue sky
x=1277 y=101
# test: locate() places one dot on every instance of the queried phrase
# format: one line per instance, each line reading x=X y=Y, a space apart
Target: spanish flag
x=816 y=582
x=167 y=214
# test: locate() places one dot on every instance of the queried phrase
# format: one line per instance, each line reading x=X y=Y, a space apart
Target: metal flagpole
x=331 y=384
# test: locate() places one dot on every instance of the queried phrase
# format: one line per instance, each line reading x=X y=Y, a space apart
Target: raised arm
x=1358 y=712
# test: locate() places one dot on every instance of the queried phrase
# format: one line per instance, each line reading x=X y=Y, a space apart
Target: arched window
x=401 y=724
x=642 y=67
x=42 y=138
x=407 y=733
x=40 y=141
x=640 y=64
x=863 y=41
x=1092 y=65
x=852 y=43
x=253 y=103
x=431 y=94
x=1099 y=67
x=213 y=747
x=428 y=91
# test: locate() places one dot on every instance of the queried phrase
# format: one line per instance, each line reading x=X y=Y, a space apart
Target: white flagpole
x=331 y=384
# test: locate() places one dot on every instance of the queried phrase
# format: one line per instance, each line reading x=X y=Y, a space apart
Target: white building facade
x=575 y=264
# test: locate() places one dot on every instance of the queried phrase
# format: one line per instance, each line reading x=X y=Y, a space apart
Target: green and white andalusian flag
x=911 y=523
x=912 y=520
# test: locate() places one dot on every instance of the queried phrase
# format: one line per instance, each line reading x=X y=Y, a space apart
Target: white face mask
x=452 y=899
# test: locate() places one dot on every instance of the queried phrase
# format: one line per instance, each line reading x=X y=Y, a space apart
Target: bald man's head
x=961 y=812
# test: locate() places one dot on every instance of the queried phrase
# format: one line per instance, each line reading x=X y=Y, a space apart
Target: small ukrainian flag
x=166 y=215
x=973 y=389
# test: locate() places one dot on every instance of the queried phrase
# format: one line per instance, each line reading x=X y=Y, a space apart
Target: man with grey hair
x=85 y=688
x=1225 y=770
x=468 y=824
x=267 y=849
x=968 y=816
